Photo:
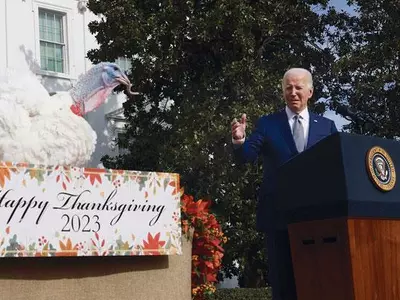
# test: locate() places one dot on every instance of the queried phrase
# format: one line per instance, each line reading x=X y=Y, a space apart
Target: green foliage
x=242 y=294
x=367 y=72
x=198 y=64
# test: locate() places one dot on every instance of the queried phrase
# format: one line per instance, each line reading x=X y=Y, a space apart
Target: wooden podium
x=343 y=216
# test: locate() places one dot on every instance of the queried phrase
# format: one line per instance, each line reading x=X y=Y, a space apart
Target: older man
x=277 y=138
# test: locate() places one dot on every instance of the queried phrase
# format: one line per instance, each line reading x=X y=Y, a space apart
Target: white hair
x=299 y=71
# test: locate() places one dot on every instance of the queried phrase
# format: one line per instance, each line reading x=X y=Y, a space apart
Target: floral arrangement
x=207 y=251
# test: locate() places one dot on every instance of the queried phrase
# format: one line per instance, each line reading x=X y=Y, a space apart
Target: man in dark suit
x=277 y=138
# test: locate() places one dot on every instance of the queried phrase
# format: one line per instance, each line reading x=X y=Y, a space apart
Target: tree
x=367 y=70
x=198 y=64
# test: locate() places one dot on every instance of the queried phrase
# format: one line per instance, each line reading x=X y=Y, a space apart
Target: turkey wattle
x=41 y=129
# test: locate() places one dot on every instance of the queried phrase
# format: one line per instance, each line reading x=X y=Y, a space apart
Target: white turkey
x=38 y=128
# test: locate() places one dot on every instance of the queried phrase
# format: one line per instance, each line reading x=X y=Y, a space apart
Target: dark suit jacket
x=273 y=140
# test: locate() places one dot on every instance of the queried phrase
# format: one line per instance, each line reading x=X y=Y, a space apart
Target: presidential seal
x=381 y=169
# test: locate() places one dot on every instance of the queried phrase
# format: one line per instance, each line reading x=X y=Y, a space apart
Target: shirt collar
x=304 y=114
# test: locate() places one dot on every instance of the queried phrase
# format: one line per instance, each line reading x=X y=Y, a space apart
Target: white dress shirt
x=304 y=120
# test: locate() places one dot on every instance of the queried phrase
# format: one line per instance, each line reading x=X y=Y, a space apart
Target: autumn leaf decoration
x=37 y=173
x=4 y=173
x=113 y=174
x=154 y=182
x=153 y=245
x=94 y=175
x=175 y=185
x=67 y=249
x=63 y=176
x=98 y=244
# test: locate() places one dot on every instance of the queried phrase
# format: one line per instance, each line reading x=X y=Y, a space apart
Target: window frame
x=62 y=43
x=66 y=13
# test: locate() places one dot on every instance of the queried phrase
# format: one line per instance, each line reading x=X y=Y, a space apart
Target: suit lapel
x=286 y=132
x=311 y=130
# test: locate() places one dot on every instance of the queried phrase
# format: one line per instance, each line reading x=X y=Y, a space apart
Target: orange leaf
x=62 y=246
x=69 y=244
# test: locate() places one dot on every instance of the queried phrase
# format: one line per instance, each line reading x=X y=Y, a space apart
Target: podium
x=341 y=204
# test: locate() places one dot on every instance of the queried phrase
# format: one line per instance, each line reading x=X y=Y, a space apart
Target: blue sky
x=341 y=4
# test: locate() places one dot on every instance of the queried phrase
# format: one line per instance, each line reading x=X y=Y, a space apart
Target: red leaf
x=66 y=177
x=94 y=244
x=97 y=235
x=64 y=186
x=8 y=230
x=103 y=243
x=58 y=178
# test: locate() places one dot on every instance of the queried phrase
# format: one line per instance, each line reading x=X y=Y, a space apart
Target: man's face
x=296 y=92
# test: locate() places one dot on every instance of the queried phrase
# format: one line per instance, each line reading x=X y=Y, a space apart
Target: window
x=121 y=141
x=52 y=41
x=122 y=138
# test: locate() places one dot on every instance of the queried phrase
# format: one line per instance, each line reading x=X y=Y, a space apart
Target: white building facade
x=52 y=38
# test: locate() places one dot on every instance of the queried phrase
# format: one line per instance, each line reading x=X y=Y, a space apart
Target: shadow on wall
x=97 y=120
x=51 y=83
x=29 y=59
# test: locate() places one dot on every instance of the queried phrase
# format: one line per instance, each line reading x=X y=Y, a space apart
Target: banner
x=67 y=211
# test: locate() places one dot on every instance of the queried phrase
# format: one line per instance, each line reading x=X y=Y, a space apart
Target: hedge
x=241 y=294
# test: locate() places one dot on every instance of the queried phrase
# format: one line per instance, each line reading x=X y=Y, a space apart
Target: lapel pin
x=315 y=121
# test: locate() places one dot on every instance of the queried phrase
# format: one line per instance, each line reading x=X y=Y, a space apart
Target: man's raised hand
x=239 y=128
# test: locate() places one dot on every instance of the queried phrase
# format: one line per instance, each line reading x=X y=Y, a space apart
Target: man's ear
x=311 y=92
